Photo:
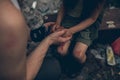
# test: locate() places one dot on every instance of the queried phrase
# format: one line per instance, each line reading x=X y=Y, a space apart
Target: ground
x=95 y=68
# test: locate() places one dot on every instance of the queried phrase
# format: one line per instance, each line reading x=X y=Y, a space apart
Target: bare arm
x=35 y=59
x=59 y=18
x=89 y=21
x=60 y=15
x=13 y=40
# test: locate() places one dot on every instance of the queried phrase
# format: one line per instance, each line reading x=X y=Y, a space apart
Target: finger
x=67 y=35
x=57 y=26
x=53 y=28
x=64 y=40
x=59 y=29
x=61 y=39
x=59 y=33
x=48 y=24
x=52 y=23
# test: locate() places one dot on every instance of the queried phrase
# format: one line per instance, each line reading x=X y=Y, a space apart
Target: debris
x=96 y=54
x=110 y=24
x=110 y=56
x=34 y=4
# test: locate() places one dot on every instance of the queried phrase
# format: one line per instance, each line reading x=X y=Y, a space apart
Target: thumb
x=60 y=33
x=49 y=24
x=62 y=39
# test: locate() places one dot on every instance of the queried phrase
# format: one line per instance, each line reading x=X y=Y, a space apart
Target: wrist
x=58 y=22
x=72 y=30
x=49 y=40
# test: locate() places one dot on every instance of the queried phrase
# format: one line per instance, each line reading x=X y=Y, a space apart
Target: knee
x=61 y=51
x=79 y=55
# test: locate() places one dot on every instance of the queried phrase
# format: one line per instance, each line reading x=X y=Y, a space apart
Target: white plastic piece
x=112 y=7
x=55 y=11
x=110 y=56
x=34 y=4
x=110 y=24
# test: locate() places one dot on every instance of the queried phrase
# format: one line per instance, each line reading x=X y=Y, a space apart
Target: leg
x=79 y=51
x=63 y=48
x=84 y=39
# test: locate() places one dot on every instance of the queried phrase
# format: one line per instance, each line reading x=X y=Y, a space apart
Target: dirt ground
x=96 y=69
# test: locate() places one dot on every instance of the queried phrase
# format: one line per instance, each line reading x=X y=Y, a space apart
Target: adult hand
x=57 y=37
x=54 y=26
x=49 y=24
x=68 y=33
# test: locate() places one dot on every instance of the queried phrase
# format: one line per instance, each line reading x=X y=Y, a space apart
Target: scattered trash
x=96 y=54
x=99 y=51
x=110 y=56
x=119 y=73
x=34 y=4
x=110 y=24
x=117 y=58
x=112 y=7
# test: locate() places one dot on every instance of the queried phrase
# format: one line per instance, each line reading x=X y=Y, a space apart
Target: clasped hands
x=58 y=33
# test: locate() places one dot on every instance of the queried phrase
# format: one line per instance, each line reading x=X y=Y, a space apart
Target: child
x=81 y=20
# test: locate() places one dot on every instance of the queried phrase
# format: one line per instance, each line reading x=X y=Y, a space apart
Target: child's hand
x=59 y=29
x=57 y=37
x=55 y=27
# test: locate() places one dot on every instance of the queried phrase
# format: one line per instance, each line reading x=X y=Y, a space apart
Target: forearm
x=35 y=59
x=83 y=25
x=60 y=15
x=89 y=21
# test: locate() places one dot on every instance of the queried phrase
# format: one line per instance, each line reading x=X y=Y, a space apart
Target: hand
x=57 y=37
x=55 y=27
x=59 y=29
x=68 y=33
x=49 y=24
